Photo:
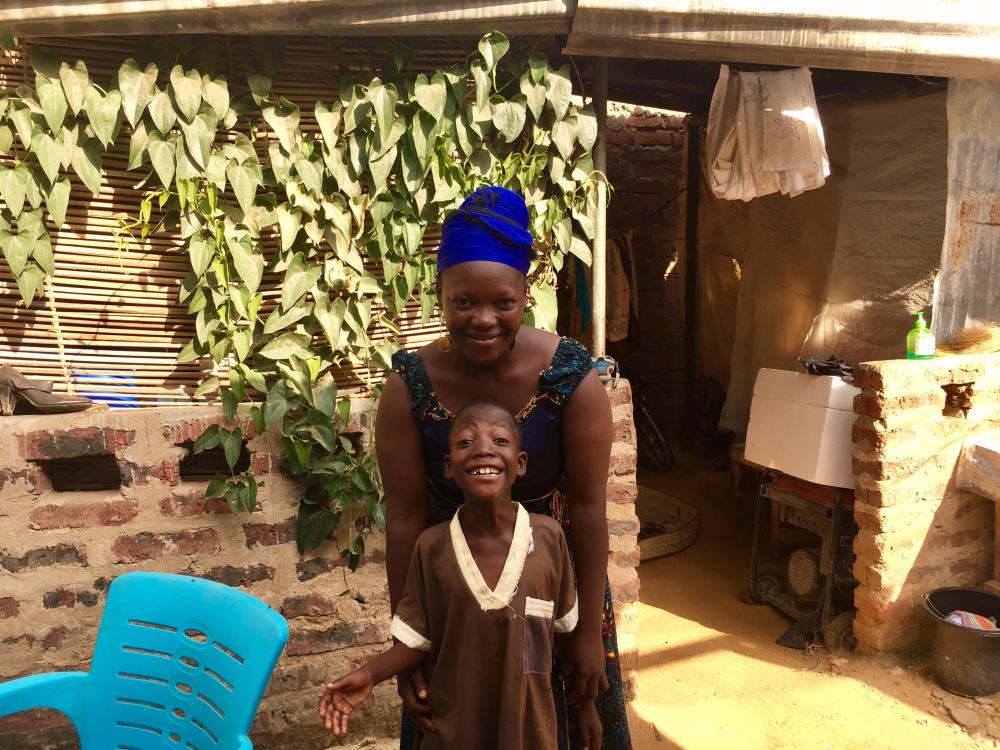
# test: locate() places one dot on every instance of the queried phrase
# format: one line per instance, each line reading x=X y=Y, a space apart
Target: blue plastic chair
x=180 y=663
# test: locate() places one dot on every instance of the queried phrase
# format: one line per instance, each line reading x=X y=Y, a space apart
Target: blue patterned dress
x=540 y=490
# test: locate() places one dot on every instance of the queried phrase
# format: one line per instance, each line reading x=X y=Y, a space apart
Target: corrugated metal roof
x=341 y=17
x=955 y=38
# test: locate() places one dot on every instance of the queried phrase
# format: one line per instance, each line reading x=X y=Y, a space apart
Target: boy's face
x=485 y=455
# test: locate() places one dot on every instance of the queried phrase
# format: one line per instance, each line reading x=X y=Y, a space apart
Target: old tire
x=838 y=635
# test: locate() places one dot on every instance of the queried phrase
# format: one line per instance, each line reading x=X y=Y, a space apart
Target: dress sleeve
x=410 y=624
x=571 y=363
x=567 y=607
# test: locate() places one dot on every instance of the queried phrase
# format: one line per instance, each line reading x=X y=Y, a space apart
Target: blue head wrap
x=491 y=224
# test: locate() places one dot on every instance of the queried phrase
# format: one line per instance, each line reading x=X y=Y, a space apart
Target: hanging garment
x=619 y=294
x=764 y=135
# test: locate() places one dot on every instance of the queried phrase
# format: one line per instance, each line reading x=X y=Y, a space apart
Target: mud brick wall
x=623 y=527
x=918 y=529
x=647 y=171
x=59 y=551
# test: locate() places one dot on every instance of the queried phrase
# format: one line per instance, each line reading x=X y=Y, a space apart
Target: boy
x=484 y=596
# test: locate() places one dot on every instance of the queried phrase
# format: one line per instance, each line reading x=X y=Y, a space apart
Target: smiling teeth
x=485 y=472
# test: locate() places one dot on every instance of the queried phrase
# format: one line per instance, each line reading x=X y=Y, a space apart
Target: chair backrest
x=179 y=662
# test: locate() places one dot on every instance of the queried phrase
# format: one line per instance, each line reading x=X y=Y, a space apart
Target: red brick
x=654 y=138
x=195 y=541
x=79 y=441
x=236 y=576
x=302 y=641
x=84 y=515
x=621 y=491
x=368 y=633
x=309 y=605
x=620 y=137
x=269 y=534
x=168 y=472
x=9 y=607
x=626 y=559
x=138 y=547
x=190 y=430
x=59 y=554
x=180 y=504
x=640 y=120
x=148 y=546
x=55 y=638
x=306 y=570
x=623 y=463
x=267 y=463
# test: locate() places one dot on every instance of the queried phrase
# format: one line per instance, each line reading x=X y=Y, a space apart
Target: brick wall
x=623 y=528
x=647 y=171
x=59 y=551
x=918 y=529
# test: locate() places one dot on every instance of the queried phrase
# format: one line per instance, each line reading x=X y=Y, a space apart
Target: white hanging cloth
x=764 y=135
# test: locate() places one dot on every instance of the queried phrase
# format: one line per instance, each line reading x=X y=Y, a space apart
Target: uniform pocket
x=537 y=636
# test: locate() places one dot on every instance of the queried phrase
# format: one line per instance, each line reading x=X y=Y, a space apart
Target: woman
x=549 y=383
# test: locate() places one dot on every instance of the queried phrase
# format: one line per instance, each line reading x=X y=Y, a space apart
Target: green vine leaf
x=300 y=276
x=161 y=110
x=28 y=283
x=215 y=91
x=586 y=120
x=57 y=201
x=289 y=224
x=161 y=156
x=105 y=113
x=75 y=82
x=16 y=249
x=86 y=162
x=558 y=90
x=283 y=119
x=13 y=184
x=328 y=119
x=53 y=101
x=186 y=91
x=330 y=316
x=493 y=47
x=48 y=153
x=286 y=346
x=249 y=264
x=198 y=137
x=136 y=87
x=431 y=95
x=509 y=118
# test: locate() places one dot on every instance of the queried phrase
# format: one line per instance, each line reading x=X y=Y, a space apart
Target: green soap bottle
x=920 y=341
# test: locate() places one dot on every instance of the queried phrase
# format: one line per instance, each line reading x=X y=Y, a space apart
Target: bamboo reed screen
x=117 y=308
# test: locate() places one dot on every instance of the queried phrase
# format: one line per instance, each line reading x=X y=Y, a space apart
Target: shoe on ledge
x=36 y=394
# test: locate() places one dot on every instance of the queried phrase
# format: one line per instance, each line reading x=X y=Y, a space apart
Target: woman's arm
x=587 y=454
x=400 y=462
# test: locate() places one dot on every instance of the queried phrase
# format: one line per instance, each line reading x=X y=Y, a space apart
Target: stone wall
x=918 y=529
x=59 y=551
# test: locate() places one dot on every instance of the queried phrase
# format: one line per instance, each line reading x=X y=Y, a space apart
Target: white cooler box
x=800 y=424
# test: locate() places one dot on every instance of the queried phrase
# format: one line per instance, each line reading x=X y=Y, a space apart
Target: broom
x=978 y=337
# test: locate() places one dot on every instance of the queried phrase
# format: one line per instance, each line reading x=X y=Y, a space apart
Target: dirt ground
x=711 y=675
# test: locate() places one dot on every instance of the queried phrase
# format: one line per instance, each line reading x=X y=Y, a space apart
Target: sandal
x=37 y=394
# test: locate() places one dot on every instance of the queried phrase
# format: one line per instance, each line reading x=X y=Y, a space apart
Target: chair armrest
x=57 y=690
x=246 y=744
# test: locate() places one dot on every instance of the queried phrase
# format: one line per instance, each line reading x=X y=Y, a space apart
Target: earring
x=445 y=343
x=513 y=344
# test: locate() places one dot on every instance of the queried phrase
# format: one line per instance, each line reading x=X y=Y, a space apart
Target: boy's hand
x=412 y=686
x=341 y=697
x=587 y=726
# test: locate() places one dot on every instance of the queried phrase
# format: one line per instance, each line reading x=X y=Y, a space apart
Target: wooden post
x=600 y=295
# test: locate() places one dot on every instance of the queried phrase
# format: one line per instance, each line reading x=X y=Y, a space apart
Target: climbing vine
x=343 y=210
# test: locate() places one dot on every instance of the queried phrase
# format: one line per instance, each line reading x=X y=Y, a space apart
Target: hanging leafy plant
x=348 y=207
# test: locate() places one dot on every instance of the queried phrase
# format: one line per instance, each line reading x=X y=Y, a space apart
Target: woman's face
x=483 y=304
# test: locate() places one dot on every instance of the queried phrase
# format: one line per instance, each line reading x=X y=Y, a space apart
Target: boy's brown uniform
x=489 y=652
